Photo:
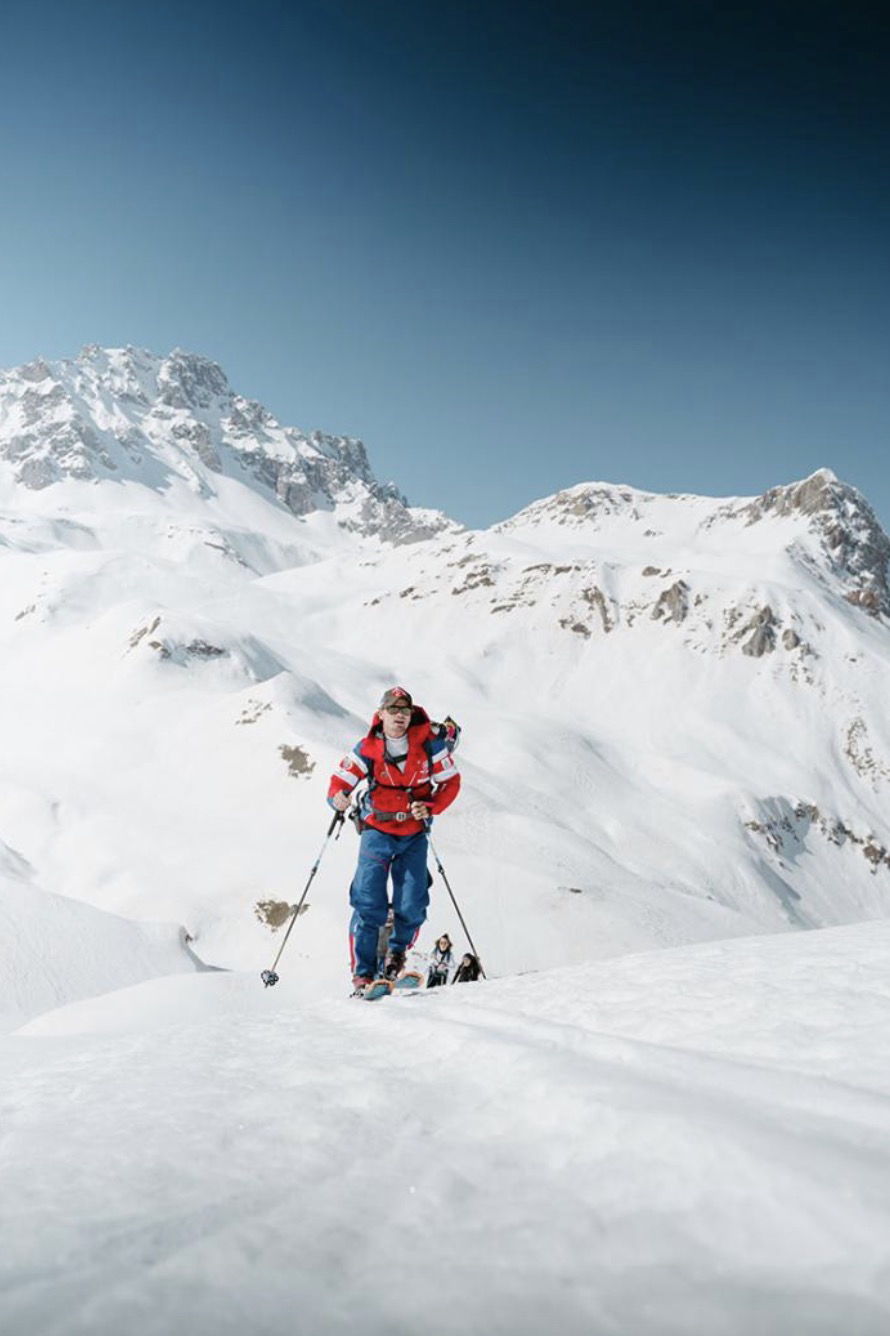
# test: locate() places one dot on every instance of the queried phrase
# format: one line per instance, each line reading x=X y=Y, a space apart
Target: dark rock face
x=673 y=603
x=197 y=436
x=763 y=634
x=188 y=381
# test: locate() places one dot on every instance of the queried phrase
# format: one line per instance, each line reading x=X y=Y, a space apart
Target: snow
x=683 y=1127
x=53 y=950
x=604 y=762
x=688 y=1140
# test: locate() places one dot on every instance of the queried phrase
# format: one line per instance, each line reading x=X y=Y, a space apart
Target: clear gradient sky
x=513 y=246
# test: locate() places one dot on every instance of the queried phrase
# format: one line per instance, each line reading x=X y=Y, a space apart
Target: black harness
x=407 y=789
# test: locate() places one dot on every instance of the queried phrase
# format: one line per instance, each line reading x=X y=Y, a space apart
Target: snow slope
x=688 y=1140
x=675 y=731
x=54 y=950
x=674 y=707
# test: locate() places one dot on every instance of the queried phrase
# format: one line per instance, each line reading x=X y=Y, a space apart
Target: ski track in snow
x=682 y=1141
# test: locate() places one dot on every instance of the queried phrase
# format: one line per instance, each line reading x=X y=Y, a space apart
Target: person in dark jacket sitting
x=468 y=970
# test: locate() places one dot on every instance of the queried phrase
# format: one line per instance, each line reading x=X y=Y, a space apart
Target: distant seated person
x=468 y=971
x=441 y=961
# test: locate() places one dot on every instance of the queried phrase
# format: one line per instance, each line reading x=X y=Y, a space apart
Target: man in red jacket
x=411 y=777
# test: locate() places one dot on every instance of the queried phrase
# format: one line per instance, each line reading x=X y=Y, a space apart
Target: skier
x=468 y=970
x=411 y=777
x=441 y=961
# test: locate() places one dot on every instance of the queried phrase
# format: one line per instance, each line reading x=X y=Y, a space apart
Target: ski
x=376 y=989
x=408 y=982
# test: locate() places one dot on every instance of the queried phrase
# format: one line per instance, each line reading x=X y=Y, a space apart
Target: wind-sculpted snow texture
x=674 y=707
x=54 y=950
x=693 y=1140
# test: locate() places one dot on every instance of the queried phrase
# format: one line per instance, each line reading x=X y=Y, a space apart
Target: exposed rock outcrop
x=672 y=604
x=786 y=832
x=853 y=543
x=762 y=639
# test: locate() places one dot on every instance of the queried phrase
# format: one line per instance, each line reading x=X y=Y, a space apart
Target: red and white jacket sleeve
x=446 y=777
x=351 y=771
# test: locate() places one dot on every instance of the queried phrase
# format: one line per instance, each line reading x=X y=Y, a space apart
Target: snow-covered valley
x=665 y=1112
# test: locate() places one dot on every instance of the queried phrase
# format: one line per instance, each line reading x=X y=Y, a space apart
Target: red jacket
x=430 y=776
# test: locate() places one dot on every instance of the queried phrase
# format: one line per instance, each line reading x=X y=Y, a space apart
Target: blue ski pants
x=381 y=856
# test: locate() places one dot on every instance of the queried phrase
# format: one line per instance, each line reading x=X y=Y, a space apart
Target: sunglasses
x=397 y=709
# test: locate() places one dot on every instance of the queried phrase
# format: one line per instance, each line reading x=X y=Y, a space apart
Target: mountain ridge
x=128 y=414
x=674 y=706
x=109 y=411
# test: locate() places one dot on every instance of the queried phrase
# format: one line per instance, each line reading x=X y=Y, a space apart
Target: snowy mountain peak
x=822 y=523
x=190 y=381
x=126 y=414
x=674 y=706
x=586 y=505
x=851 y=542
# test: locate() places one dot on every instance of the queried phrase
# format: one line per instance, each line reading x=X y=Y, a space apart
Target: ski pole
x=269 y=977
x=441 y=872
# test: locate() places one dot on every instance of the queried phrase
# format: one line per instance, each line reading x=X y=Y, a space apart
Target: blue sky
x=511 y=246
